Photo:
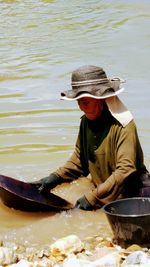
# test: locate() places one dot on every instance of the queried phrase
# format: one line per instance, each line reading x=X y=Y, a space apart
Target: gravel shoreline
x=70 y=251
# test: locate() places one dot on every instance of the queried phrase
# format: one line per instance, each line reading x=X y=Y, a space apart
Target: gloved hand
x=83 y=203
x=47 y=183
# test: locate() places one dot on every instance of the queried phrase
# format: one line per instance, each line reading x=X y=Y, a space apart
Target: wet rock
x=25 y=263
x=72 y=261
x=66 y=245
x=22 y=263
x=103 y=251
x=7 y=256
x=30 y=254
x=45 y=252
x=137 y=258
x=133 y=248
x=111 y=260
x=20 y=249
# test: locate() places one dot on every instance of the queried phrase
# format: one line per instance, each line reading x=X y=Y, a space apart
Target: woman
x=107 y=145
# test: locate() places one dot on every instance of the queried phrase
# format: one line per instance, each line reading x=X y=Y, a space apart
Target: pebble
x=66 y=245
x=138 y=258
x=7 y=256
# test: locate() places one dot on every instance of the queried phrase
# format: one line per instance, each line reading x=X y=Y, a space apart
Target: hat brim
x=85 y=94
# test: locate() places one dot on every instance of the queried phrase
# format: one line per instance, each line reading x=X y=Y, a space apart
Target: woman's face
x=91 y=107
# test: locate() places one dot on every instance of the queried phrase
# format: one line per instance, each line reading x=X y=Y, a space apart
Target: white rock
x=23 y=263
x=7 y=256
x=109 y=260
x=66 y=245
x=72 y=261
x=136 y=258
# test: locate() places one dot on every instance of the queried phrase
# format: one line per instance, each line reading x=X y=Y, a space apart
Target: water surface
x=41 y=43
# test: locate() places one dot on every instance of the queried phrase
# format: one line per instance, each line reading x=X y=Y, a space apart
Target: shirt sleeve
x=127 y=148
x=72 y=169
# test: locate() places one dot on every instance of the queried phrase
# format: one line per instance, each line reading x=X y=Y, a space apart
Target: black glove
x=83 y=204
x=47 y=183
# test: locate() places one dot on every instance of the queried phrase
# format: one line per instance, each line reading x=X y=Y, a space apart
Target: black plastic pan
x=26 y=197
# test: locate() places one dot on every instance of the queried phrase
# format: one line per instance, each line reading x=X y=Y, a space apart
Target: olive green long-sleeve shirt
x=109 y=152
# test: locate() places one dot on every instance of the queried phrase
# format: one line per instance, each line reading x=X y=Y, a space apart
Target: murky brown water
x=36 y=228
x=41 y=42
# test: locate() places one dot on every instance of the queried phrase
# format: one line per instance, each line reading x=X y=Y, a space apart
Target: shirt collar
x=119 y=110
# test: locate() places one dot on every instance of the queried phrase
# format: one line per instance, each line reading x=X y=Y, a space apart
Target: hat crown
x=92 y=81
x=89 y=72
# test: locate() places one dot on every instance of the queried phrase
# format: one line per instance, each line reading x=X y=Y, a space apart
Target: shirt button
x=95 y=147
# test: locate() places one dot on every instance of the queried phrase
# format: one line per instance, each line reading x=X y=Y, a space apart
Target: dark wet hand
x=82 y=203
x=45 y=184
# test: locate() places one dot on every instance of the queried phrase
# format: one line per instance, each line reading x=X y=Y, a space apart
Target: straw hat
x=91 y=81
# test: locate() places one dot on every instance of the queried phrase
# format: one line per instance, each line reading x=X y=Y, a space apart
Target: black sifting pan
x=130 y=220
x=26 y=197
